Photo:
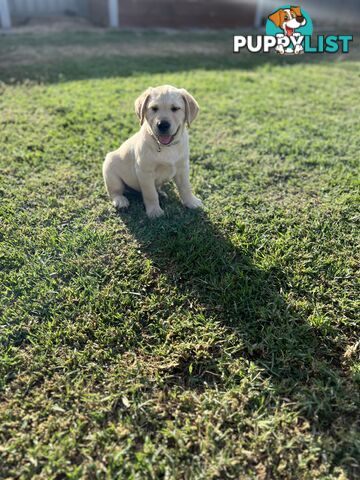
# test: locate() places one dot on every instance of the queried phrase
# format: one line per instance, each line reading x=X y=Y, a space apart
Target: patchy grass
x=211 y=345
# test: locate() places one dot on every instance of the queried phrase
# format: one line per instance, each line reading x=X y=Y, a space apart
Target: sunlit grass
x=205 y=345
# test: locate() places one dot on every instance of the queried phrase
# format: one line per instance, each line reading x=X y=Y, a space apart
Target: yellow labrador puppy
x=158 y=152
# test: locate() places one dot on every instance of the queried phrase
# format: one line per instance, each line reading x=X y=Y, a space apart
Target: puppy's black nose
x=300 y=18
x=163 y=126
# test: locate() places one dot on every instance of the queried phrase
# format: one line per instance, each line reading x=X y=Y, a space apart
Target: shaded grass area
x=53 y=58
x=214 y=344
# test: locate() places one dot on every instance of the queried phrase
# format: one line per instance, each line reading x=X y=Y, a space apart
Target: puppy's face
x=166 y=109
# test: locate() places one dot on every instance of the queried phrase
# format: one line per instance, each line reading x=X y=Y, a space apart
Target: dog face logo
x=289 y=22
x=288 y=19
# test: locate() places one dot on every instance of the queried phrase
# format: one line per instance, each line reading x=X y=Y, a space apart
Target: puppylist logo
x=289 y=32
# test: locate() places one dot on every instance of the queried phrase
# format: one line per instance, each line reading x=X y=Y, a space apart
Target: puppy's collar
x=159 y=144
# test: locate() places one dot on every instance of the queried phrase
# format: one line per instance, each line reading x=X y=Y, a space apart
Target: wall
x=98 y=12
x=30 y=8
x=323 y=12
x=186 y=13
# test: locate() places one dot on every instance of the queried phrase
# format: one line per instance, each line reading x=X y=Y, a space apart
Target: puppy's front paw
x=154 y=212
x=193 y=202
x=120 y=202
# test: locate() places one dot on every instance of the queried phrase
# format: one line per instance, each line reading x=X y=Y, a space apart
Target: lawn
x=213 y=344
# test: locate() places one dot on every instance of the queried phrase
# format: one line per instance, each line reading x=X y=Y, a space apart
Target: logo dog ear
x=191 y=106
x=277 y=17
x=297 y=11
x=140 y=104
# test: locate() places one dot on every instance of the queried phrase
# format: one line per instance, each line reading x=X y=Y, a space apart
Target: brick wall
x=177 y=13
x=98 y=12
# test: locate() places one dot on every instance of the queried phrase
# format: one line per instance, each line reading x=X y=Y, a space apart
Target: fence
x=29 y=8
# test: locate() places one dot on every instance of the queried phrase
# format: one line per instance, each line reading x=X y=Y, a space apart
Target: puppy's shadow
x=214 y=267
x=221 y=276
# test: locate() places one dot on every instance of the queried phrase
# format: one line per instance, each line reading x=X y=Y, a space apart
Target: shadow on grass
x=98 y=67
x=248 y=301
x=61 y=57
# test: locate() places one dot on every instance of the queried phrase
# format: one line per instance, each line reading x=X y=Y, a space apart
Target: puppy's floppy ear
x=140 y=104
x=297 y=11
x=277 y=17
x=191 y=106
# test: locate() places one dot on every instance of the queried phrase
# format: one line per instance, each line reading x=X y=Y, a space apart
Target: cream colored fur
x=139 y=164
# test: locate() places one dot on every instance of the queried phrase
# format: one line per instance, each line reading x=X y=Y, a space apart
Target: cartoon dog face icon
x=288 y=19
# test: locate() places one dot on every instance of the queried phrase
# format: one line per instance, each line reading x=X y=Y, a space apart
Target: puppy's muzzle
x=163 y=132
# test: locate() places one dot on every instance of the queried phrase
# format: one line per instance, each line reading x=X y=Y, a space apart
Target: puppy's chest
x=164 y=173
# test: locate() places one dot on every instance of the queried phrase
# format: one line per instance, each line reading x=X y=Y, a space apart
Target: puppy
x=288 y=19
x=157 y=153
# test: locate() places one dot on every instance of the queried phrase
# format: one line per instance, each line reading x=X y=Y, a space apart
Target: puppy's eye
x=175 y=109
x=154 y=109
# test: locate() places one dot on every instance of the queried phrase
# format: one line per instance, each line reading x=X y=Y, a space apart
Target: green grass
x=220 y=344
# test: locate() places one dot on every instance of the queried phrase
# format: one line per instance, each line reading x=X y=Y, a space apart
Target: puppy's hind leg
x=114 y=186
x=118 y=199
x=162 y=193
